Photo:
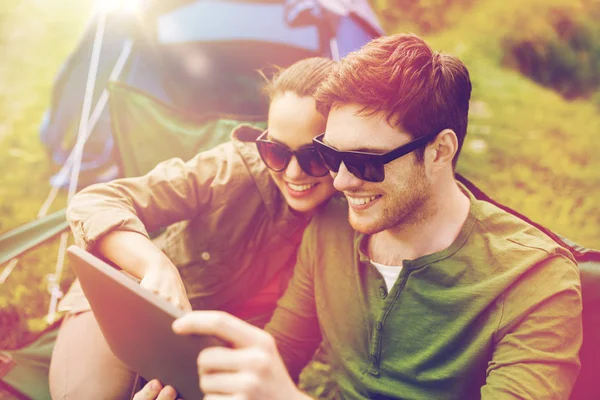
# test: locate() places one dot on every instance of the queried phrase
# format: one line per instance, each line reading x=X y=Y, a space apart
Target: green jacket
x=496 y=315
x=238 y=234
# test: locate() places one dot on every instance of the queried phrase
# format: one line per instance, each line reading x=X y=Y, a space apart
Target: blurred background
x=532 y=144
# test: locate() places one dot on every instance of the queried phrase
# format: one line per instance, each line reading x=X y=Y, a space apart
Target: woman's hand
x=137 y=255
x=154 y=390
x=163 y=279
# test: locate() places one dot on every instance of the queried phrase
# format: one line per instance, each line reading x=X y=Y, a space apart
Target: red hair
x=419 y=90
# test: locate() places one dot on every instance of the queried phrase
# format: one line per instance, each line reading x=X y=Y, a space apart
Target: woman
x=237 y=249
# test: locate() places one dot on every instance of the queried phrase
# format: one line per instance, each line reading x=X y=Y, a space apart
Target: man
x=433 y=294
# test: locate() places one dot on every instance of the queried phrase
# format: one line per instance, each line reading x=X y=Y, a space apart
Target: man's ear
x=443 y=149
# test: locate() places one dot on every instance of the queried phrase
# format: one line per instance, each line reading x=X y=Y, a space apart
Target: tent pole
x=54 y=279
x=8 y=269
x=334 y=49
x=101 y=104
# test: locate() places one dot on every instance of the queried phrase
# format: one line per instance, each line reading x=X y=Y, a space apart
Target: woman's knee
x=82 y=365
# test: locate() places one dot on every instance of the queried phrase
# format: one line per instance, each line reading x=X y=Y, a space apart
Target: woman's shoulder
x=235 y=168
x=243 y=141
x=246 y=133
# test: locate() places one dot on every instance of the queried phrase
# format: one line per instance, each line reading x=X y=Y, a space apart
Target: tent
x=199 y=56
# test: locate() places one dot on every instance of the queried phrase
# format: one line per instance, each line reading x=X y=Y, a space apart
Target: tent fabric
x=195 y=66
x=24 y=238
x=216 y=21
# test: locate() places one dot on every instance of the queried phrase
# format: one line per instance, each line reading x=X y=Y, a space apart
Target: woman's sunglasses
x=365 y=166
x=277 y=156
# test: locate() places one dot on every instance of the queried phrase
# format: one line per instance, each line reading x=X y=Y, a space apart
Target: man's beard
x=404 y=208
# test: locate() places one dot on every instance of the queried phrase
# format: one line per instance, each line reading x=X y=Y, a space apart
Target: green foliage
x=558 y=47
x=526 y=146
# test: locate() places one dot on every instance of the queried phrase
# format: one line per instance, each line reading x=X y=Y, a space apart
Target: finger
x=148 y=281
x=181 y=301
x=151 y=289
x=175 y=300
x=150 y=286
x=171 y=299
x=222 y=325
x=229 y=383
x=223 y=359
x=150 y=391
x=168 y=393
x=187 y=306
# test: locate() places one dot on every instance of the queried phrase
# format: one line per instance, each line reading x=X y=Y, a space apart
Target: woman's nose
x=293 y=170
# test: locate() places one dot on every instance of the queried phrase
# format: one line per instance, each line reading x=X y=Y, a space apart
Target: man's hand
x=154 y=390
x=164 y=280
x=251 y=369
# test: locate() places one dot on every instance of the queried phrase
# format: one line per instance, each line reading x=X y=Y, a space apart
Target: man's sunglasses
x=365 y=166
x=277 y=156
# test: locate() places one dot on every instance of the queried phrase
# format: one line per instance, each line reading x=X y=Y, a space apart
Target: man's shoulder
x=521 y=261
x=508 y=239
x=334 y=214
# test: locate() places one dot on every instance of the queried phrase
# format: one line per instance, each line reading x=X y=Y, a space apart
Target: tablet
x=136 y=324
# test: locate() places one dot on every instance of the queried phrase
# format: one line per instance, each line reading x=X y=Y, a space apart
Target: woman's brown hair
x=302 y=78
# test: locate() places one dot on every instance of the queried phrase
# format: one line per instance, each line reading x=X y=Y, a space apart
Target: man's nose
x=345 y=180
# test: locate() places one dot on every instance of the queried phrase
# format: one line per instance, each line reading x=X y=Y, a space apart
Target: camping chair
x=24 y=371
x=148 y=131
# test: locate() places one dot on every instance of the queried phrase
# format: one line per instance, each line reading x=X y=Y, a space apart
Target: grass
x=35 y=38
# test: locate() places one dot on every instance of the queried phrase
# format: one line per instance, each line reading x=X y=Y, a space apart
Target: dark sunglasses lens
x=365 y=169
x=275 y=156
x=311 y=162
x=330 y=158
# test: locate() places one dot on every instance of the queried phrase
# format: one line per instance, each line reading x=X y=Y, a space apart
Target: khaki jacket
x=238 y=231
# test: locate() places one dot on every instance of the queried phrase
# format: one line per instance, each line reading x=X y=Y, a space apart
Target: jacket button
x=205 y=255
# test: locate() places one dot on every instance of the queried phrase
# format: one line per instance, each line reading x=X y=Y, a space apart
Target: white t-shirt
x=390 y=273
